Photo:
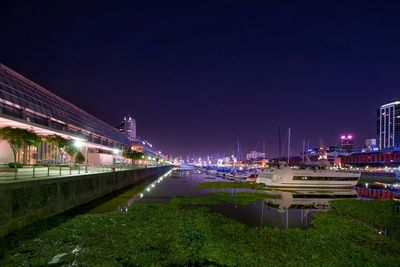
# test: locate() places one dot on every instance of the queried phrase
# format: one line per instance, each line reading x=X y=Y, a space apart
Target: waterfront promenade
x=26 y=200
x=7 y=175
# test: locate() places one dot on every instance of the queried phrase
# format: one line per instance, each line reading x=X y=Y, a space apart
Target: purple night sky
x=198 y=76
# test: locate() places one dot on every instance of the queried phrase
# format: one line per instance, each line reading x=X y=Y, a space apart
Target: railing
x=31 y=172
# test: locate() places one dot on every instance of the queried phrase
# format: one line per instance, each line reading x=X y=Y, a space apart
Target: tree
x=62 y=144
x=70 y=148
x=18 y=138
x=79 y=158
x=132 y=155
x=30 y=139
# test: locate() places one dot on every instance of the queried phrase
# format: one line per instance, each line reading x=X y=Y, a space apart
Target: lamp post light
x=116 y=152
x=79 y=144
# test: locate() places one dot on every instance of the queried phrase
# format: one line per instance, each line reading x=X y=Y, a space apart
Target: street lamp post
x=86 y=158
x=79 y=144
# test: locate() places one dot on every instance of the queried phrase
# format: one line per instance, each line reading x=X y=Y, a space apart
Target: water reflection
x=284 y=209
x=307 y=198
x=280 y=208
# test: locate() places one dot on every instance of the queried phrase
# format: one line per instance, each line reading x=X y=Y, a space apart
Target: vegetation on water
x=171 y=235
x=376 y=214
x=215 y=198
x=195 y=200
x=207 y=185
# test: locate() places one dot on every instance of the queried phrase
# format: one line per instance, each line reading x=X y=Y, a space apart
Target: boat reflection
x=307 y=199
x=285 y=209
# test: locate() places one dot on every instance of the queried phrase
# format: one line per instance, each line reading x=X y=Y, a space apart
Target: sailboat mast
x=288 y=152
x=238 y=156
x=280 y=144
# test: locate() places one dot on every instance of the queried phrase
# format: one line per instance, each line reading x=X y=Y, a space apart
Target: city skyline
x=200 y=78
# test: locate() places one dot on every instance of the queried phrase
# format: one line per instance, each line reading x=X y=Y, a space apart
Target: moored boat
x=307 y=176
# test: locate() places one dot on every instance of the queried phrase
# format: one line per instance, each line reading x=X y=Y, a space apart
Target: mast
x=264 y=148
x=280 y=144
x=288 y=152
x=238 y=151
x=304 y=148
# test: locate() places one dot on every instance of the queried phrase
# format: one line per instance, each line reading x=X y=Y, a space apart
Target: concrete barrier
x=24 y=202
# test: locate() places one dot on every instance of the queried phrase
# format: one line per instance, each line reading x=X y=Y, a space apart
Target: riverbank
x=351 y=234
x=25 y=201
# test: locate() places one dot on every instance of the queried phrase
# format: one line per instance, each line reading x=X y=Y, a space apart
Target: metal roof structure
x=24 y=99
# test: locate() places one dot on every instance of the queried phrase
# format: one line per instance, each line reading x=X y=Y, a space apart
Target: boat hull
x=308 y=179
x=302 y=185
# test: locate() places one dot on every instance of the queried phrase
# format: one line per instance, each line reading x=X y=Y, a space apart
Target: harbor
x=199 y=133
x=239 y=213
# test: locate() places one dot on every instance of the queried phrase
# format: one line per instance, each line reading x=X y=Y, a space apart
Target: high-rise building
x=388 y=125
x=346 y=142
x=128 y=127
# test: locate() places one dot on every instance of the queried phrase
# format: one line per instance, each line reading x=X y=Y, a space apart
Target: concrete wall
x=24 y=202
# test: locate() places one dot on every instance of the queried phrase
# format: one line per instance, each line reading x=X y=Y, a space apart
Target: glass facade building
x=25 y=101
x=388 y=125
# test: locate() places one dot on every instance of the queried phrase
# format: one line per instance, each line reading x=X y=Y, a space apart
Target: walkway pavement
x=35 y=173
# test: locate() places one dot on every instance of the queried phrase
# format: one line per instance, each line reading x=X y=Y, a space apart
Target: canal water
x=283 y=209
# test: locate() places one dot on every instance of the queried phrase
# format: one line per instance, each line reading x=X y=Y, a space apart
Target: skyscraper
x=128 y=127
x=388 y=125
x=346 y=142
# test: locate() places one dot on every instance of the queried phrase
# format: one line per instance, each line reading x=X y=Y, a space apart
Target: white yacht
x=185 y=167
x=307 y=176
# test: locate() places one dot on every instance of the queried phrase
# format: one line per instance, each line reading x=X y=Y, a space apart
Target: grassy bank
x=166 y=234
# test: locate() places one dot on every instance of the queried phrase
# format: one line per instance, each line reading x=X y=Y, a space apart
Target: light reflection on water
x=285 y=209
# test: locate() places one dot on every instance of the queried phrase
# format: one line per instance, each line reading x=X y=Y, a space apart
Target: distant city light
x=346 y=137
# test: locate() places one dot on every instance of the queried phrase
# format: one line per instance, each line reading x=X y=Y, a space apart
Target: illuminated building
x=370 y=145
x=25 y=104
x=145 y=147
x=128 y=127
x=255 y=155
x=346 y=142
x=388 y=125
x=373 y=158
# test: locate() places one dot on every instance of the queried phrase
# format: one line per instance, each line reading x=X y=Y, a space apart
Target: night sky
x=199 y=76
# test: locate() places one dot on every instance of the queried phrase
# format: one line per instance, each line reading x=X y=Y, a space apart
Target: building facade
x=370 y=145
x=346 y=142
x=255 y=155
x=388 y=125
x=378 y=158
x=128 y=127
x=25 y=104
